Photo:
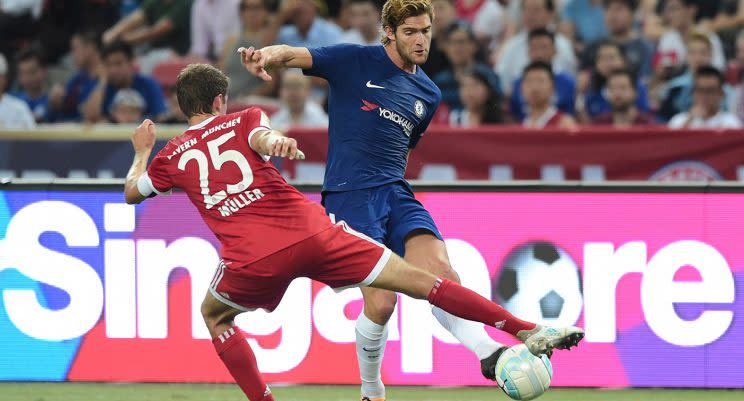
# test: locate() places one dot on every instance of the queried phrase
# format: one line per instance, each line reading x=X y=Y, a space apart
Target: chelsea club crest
x=418 y=108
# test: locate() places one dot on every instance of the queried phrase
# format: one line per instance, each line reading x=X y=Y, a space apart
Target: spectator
x=14 y=112
x=583 y=21
x=364 y=16
x=485 y=16
x=212 y=22
x=254 y=19
x=119 y=74
x=32 y=83
x=538 y=91
x=306 y=28
x=676 y=94
x=736 y=100
x=620 y=25
x=296 y=108
x=513 y=56
x=622 y=95
x=462 y=53
x=480 y=98
x=165 y=25
x=444 y=10
x=343 y=19
x=706 y=109
x=65 y=103
x=681 y=16
x=514 y=15
x=593 y=102
x=127 y=107
x=542 y=48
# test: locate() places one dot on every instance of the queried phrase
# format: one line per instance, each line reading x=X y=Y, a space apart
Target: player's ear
x=219 y=104
x=389 y=33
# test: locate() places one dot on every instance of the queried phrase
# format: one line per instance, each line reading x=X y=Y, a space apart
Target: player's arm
x=275 y=143
x=143 y=140
x=257 y=62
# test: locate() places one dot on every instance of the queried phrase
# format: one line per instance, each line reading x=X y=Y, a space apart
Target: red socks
x=237 y=355
x=467 y=304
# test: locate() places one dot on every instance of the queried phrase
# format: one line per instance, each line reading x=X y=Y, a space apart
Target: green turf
x=221 y=392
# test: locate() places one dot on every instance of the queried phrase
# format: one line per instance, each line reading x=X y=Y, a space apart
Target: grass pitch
x=227 y=392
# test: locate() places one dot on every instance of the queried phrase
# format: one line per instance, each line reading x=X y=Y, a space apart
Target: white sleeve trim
x=146 y=188
x=258 y=129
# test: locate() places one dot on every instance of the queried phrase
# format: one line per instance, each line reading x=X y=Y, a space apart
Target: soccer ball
x=522 y=375
x=540 y=282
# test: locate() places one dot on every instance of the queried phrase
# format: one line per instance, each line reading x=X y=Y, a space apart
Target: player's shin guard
x=370 y=347
x=467 y=304
x=470 y=334
x=237 y=355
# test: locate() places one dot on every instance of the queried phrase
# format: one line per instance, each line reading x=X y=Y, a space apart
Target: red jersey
x=239 y=193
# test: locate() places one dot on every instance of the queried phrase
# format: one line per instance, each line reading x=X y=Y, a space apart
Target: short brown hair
x=197 y=86
x=394 y=12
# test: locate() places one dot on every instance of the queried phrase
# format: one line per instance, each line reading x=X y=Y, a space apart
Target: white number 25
x=218 y=159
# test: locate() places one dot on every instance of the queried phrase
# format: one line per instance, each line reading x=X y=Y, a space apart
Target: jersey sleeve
x=332 y=62
x=255 y=121
x=157 y=176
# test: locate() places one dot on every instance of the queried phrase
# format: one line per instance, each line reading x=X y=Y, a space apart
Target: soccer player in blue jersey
x=380 y=104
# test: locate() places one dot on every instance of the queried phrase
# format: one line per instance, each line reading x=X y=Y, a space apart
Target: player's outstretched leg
x=232 y=347
x=399 y=276
x=423 y=249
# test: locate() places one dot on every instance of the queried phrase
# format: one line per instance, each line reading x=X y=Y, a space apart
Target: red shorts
x=339 y=257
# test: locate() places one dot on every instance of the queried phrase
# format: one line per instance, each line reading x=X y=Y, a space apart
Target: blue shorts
x=387 y=214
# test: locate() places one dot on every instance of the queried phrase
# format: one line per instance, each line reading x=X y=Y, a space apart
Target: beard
x=406 y=58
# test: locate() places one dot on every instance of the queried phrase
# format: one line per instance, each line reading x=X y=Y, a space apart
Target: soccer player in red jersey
x=270 y=233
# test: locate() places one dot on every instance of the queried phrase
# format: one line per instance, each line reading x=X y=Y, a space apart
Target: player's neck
x=395 y=57
x=199 y=118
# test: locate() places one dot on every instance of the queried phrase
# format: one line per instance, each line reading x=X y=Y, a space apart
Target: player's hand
x=143 y=138
x=285 y=147
x=255 y=62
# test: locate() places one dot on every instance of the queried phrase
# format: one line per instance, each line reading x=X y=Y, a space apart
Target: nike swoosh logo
x=371 y=85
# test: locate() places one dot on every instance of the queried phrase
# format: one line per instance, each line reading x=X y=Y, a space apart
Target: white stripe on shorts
x=218 y=275
x=358 y=234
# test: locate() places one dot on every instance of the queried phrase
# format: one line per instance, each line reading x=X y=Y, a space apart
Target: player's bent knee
x=380 y=307
x=438 y=265
x=217 y=315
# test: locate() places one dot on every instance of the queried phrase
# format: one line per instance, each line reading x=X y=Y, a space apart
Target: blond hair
x=394 y=12
x=700 y=36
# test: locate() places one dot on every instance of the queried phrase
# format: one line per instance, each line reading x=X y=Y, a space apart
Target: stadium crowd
x=532 y=62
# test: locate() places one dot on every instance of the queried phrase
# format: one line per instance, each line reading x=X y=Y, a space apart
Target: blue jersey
x=377 y=112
